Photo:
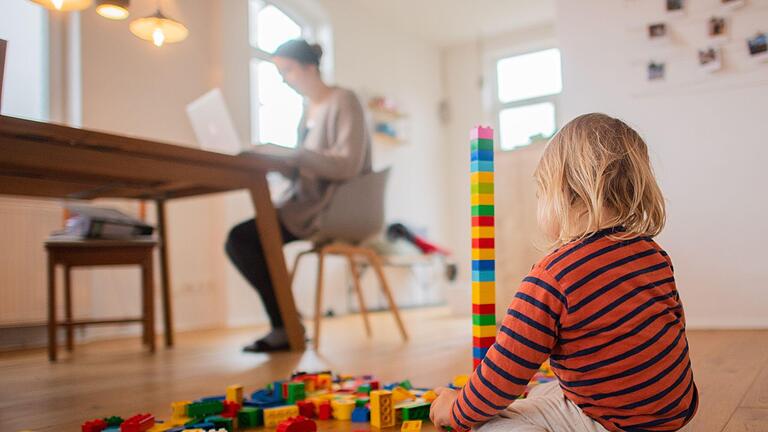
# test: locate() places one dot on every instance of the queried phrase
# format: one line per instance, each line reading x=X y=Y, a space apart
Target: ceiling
x=446 y=22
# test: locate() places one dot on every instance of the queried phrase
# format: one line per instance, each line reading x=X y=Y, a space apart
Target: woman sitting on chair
x=333 y=147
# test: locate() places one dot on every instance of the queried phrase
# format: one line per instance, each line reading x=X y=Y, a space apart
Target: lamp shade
x=159 y=29
x=64 y=5
x=113 y=9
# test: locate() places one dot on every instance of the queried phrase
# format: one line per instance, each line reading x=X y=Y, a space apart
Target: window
x=25 y=89
x=527 y=88
x=276 y=109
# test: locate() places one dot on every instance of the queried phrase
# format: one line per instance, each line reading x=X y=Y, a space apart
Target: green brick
x=221 y=422
x=296 y=392
x=416 y=412
x=481 y=144
x=250 y=417
x=365 y=388
x=203 y=409
x=482 y=210
x=113 y=421
x=361 y=402
x=489 y=319
x=482 y=188
x=406 y=385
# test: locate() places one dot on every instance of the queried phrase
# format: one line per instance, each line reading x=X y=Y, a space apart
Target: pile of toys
x=292 y=406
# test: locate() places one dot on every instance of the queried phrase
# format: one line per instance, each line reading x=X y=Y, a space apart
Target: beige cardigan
x=335 y=149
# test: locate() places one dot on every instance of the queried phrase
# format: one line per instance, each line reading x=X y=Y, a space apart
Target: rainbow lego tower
x=483 y=243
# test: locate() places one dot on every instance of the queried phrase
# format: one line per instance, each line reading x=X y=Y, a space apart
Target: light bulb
x=158 y=37
x=57 y=4
x=112 y=11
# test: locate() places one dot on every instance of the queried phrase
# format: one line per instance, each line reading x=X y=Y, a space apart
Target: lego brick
x=382 y=409
x=484 y=309
x=484 y=254
x=324 y=411
x=138 y=423
x=481 y=177
x=483 y=221
x=96 y=425
x=478 y=352
x=306 y=408
x=324 y=381
x=483 y=265
x=481 y=132
x=483 y=341
x=297 y=424
x=294 y=392
x=481 y=155
x=415 y=412
x=220 y=422
x=249 y=417
x=483 y=320
x=481 y=166
x=429 y=396
x=235 y=393
x=277 y=390
x=204 y=409
x=483 y=243
x=480 y=144
x=365 y=388
x=113 y=421
x=374 y=385
x=273 y=416
x=179 y=408
x=483 y=292
x=483 y=210
x=342 y=409
x=482 y=199
x=411 y=426
x=361 y=415
x=483 y=331
x=484 y=276
x=483 y=232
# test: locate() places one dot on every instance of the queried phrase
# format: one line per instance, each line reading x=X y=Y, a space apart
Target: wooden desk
x=54 y=161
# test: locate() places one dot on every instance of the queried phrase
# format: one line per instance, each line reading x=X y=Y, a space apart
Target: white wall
x=706 y=135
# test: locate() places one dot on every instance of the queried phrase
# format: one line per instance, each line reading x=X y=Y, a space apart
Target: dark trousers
x=247 y=254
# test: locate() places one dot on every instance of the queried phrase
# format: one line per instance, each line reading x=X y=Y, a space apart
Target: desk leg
x=272 y=241
x=165 y=278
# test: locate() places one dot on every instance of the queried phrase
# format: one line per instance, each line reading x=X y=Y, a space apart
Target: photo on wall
x=710 y=59
x=758 y=47
x=676 y=7
x=717 y=29
x=657 y=33
x=656 y=71
x=732 y=4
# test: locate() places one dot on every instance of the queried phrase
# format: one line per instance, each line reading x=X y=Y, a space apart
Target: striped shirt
x=608 y=316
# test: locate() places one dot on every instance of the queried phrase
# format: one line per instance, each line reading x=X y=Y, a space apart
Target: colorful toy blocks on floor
x=483 y=242
x=235 y=393
x=324 y=411
x=250 y=417
x=411 y=426
x=382 y=409
x=297 y=424
x=96 y=425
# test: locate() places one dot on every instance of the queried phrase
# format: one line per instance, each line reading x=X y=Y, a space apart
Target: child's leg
x=545 y=410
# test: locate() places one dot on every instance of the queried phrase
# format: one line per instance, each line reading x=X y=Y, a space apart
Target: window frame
x=497 y=106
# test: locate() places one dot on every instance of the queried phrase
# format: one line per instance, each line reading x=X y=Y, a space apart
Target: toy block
x=342 y=409
x=400 y=394
x=483 y=232
x=411 y=426
x=483 y=320
x=235 y=393
x=160 y=427
x=481 y=166
x=483 y=243
x=365 y=388
x=306 y=408
x=483 y=293
x=460 y=381
x=297 y=424
x=374 y=385
x=138 y=423
x=204 y=425
x=230 y=409
x=483 y=221
x=324 y=411
x=220 y=422
x=480 y=144
x=482 y=199
x=483 y=254
x=114 y=421
x=382 y=409
x=484 y=276
x=273 y=416
x=277 y=389
x=483 y=265
x=294 y=391
x=361 y=402
x=361 y=415
x=264 y=399
x=481 y=177
x=179 y=408
x=481 y=132
x=96 y=425
x=415 y=412
x=429 y=396
x=483 y=331
x=249 y=417
x=481 y=154
x=204 y=408
x=483 y=210
x=324 y=381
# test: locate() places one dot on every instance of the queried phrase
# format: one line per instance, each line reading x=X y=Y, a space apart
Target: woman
x=333 y=147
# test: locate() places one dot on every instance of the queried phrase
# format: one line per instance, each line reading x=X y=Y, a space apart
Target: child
x=603 y=306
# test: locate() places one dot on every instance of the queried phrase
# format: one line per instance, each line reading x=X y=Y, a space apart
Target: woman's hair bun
x=317 y=50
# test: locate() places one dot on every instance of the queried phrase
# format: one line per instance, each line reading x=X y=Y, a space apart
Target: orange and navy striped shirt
x=607 y=314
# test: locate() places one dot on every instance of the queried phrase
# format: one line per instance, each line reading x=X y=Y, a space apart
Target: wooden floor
x=119 y=378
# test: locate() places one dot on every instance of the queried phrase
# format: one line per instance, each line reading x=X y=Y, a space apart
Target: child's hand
x=440 y=411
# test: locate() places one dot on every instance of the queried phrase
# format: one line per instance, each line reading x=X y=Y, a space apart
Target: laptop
x=3 y=46
x=216 y=132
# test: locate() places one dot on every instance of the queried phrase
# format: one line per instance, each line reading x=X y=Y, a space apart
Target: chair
x=355 y=213
x=72 y=252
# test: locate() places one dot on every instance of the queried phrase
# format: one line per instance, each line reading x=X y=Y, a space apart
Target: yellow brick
x=483 y=254
x=382 y=409
x=483 y=331
x=483 y=293
x=482 y=199
x=483 y=232
x=235 y=393
x=481 y=177
x=179 y=409
x=273 y=416
x=460 y=380
x=411 y=426
x=342 y=409
x=429 y=396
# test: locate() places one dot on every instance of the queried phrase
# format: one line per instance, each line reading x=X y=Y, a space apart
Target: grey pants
x=545 y=409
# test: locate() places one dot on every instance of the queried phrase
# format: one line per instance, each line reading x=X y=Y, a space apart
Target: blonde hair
x=595 y=173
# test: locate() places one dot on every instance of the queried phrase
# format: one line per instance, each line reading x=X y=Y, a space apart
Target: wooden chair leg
x=296 y=266
x=319 y=296
x=68 y=307
x=51 y=308
x=361 y=301
x=375 y=261
x=148 y=290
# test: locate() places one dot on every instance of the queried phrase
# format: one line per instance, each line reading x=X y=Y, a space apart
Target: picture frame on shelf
x=710 y=59
x=757 y=47
x=717 y=29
